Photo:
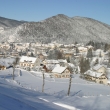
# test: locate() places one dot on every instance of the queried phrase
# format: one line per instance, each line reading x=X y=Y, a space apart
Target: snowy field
x=25 y=93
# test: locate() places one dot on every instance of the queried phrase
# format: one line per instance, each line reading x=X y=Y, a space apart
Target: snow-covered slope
x=25 y=93
x=59 y=28
x=15 y=97
x=9 y=23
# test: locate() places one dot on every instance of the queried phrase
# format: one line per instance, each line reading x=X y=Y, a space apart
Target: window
x=67 y=76
x=59 y=76
x=101 y=82
x=63 y=75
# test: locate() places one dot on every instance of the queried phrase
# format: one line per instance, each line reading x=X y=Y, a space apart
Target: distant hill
x=9 y=23
x=59 y=28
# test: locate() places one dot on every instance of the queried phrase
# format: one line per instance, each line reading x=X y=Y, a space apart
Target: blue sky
x=36 y=10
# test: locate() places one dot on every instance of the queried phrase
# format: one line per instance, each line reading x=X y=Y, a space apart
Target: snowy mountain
x=9 y=23
x=59 y=28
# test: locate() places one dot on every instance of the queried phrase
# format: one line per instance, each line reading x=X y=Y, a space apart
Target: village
x=91 y=61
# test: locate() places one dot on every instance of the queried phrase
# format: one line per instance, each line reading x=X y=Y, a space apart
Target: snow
x=98 y=66
x=66 y=106
x=58 y=69
x=62 y=60
x=6 y=61
x=93 y=73
x=44 y=54
x=52 y=61
x=44 y=99
x=24 y=93
x=29 y=59
x=72 y=65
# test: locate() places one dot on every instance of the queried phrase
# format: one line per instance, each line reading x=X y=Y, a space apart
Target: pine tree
x=68 y=59
x=96 y=62
x=108 y=65
x=100 y=54
x=81 y=65
x=77 y=50
x=84 y=65
x=89 y=53
x=87 y=65
x=55 y=54
x=105 y=47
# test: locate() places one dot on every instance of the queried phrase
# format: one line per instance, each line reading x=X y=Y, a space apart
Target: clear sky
x=36 y=10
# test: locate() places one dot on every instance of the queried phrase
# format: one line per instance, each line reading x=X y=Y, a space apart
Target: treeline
x=99 y=45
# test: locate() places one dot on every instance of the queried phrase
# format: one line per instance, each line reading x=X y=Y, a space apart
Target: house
x=42 y=55
x=61 y=72
x=26 y=61
x=90 y=47
x=68 y=54
x=2 y=67
x=99 y=52
x=50 y=67
x=82 y=49
x=2 y=54
x=62 y=62
x=100 y=68
x=14 y=53
x=108 y=75
x=53 y=62
x=97 y=74
x=50 y=64
x=5 y=46
x=96 y=77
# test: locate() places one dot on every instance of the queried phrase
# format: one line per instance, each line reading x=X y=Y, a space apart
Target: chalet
x=50 y=62
x=108 y=75
x=99 y=52
x=100 y=68
x=95 y=77
x=14 y=53
x=61 y=72
x=82 y=49
x=90 y=47
x=2 y=54
x=62 y=62
x=26 y=61
x=2 y=67
x=39 y=50
x=5 y=46
x=97 y=74
x=50 y=67
x=42 y=55
x=20 y=47
x=68 y=54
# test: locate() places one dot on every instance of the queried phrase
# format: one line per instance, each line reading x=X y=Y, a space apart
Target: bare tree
x=70 y=80
x=72 y=71
x=14 y=65
x=43 y=80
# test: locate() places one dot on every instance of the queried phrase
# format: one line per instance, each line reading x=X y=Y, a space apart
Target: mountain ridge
x=9 y=23
x=59 y=28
